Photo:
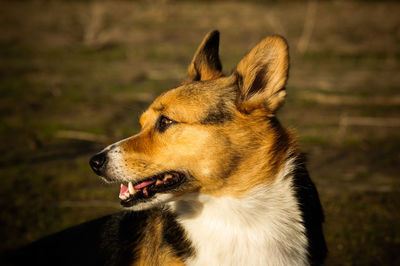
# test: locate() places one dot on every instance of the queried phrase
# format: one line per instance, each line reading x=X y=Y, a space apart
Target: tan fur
x=209 y=150
x=267 y=64
x=224 y=135
x=206 y=64
x=159 y=255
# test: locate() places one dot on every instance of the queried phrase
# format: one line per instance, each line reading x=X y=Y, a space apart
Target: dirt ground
x=75 y=76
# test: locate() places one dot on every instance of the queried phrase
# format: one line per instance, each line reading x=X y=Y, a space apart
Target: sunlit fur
x=238 y=204
x=263 y=228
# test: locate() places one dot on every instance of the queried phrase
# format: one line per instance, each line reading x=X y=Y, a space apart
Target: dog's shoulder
x=104 y=241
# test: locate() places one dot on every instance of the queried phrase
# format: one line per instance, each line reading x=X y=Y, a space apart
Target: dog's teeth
x=131 y=189
x=126 y=195
x=159 y=182
x=145 y=192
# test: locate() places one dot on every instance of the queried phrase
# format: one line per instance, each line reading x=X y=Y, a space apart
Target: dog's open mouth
x=147 y=188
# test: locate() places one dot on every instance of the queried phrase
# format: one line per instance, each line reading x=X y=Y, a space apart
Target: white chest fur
x=264 y=228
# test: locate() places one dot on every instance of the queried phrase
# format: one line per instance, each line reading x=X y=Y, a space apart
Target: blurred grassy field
x=75 y=76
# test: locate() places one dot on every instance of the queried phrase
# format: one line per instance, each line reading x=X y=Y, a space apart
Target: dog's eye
x=163 y=123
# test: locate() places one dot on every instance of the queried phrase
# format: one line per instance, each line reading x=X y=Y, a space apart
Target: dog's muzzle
x=98 y=162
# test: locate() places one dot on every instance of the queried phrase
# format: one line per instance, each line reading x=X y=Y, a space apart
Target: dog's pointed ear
x=205 y=64
x=261 y=75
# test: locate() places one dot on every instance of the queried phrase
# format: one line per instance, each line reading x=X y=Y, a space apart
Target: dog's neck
x=263 y=228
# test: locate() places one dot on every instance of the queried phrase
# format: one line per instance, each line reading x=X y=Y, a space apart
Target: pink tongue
x=123 y=190
x=144 y=184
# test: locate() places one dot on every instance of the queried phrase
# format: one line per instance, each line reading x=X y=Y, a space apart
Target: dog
x=212 y=178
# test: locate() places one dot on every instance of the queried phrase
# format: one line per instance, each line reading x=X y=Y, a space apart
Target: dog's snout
x=98 y=161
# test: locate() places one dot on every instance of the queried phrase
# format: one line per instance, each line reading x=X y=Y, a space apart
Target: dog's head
x=213 y=134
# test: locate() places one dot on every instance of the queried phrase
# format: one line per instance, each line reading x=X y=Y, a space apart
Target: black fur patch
x=281 y=142
x=218 y=114
x=121 y=235
x=312 y=213
x=233 y=165
x=109 y=240
x=174 y=236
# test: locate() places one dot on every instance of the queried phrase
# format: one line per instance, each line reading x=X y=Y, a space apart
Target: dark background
x=75 y=76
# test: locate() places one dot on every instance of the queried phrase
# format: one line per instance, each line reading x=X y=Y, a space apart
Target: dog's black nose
x=98 y=161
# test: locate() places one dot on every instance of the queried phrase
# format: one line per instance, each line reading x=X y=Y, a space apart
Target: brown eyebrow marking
x=159 y=108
